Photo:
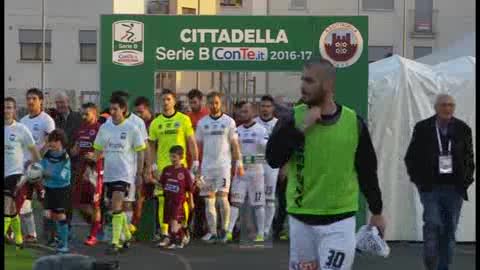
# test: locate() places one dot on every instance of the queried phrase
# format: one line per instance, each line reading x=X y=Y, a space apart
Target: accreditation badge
x=445 y=164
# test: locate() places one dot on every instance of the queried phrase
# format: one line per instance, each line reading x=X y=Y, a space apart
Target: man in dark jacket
x=65 y=118
x=440 y=163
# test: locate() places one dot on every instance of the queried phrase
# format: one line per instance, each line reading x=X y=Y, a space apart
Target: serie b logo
x=127 y=43
x=342 y=44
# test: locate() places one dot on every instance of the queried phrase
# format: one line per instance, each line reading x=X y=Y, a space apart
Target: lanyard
x=440 y=142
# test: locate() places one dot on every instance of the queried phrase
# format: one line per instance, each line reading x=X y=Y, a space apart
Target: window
x=423 y=15
x=378 y=4
x=189 y=11
x=419 y=52
x=231 y=3
x=165 y=79
x=157 y=7
x=88 y=45
x=31 y=45
x=298 y=4
x=376 y=53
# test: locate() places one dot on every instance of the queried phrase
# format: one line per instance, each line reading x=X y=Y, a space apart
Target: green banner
x=134 y=47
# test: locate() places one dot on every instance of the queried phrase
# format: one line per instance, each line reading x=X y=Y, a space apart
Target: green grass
x=18 y=259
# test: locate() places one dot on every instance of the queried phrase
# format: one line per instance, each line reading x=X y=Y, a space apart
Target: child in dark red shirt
x=177 y=182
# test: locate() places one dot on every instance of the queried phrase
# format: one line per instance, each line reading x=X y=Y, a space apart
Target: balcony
x=231 y=3
x=158 y=7
x=422 y=25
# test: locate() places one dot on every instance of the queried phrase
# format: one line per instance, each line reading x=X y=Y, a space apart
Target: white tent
x=401 y=93
x=460 y=48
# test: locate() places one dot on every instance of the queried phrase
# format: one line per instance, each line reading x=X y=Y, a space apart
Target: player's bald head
x=318 y=81
x=323 y=68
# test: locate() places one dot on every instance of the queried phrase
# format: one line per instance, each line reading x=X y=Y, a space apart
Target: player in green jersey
x=330 y=158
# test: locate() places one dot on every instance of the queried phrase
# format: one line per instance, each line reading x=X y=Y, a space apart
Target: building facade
x=70 y=51
x=411 y=28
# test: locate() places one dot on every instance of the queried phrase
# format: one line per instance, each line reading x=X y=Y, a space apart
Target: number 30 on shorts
x=335 y=259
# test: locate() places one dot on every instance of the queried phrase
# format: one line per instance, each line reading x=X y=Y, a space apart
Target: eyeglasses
x=447 y=104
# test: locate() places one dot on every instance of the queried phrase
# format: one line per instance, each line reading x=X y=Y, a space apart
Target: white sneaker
x=209 y=238
x=171 y=246
x=174 y=246
x=186 y=240
x=206 y=236
x=164 y=242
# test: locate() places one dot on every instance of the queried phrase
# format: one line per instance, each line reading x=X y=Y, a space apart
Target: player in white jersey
x=119 y=142
x=217 y=133
x=253 y=139
x=40 y=125
x=268 y=121
x=136 y=121
x=16 y=138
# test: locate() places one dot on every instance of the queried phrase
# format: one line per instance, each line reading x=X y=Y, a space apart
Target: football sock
x=7 y=220
x=95 y=228
x=224 y=209
x=126 y=230
x=62 y=232
x=117 y=226
x=29 y=221
x=17 y=229
x=260 y=220
x=234 y=211
x=161 y=204
x=269 y=214
x=211 y=215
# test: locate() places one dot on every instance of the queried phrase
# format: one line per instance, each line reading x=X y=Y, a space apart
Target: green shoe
x=127 y=244
x=259 y=239
x=19 y=246
x=284 y=236
x=229 y=236
x=113 y=249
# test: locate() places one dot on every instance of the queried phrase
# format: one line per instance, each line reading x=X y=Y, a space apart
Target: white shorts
x=322 y=247
x=271 y=177
x=251 y=184
x=216 y=180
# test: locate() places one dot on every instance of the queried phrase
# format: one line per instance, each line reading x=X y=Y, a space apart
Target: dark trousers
x=441 y=213
x=199 y=219
x=281 y=214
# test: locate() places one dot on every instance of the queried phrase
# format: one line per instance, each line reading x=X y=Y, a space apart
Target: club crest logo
x=342 y=44
x=127 y=44
x=123 y=135
x=12 y=137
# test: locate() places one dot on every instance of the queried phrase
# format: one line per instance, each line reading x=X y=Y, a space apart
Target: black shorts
x=116 y=186
x=10 y=184
x=57 y=199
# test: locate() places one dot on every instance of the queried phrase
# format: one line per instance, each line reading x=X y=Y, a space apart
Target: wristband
x=238 y=164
